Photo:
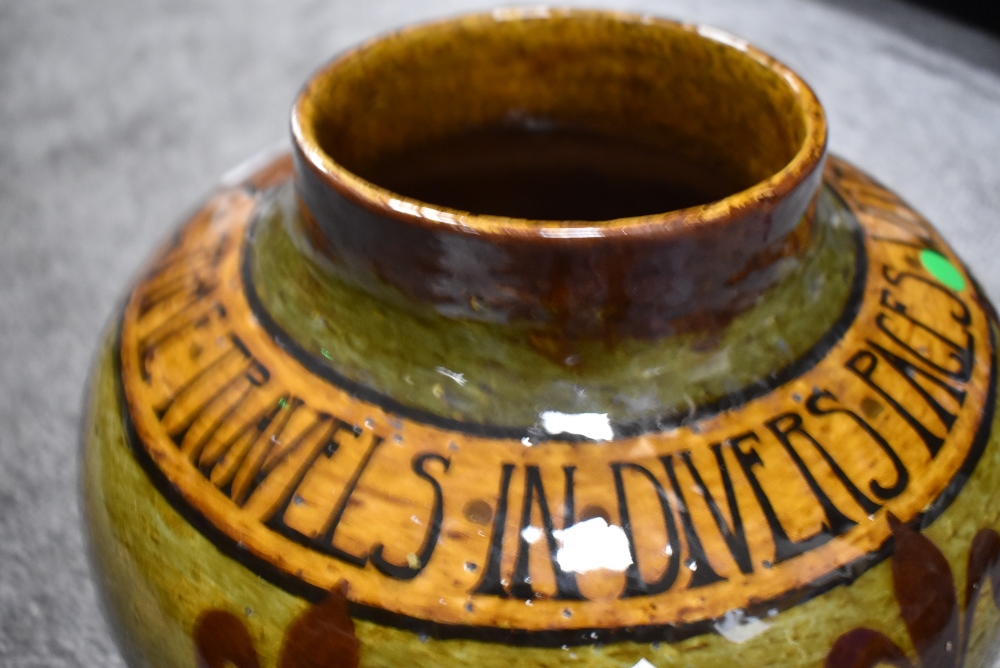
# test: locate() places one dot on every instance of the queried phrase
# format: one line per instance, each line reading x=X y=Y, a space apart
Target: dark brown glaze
x=640 y=284
x=221 y=641
x=322 y=637
x=645 y=276
x=555 y=173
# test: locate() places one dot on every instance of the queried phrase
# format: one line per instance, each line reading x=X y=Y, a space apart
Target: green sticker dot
x=941 y=269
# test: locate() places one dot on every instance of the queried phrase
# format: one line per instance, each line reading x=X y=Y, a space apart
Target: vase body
x=333 y=426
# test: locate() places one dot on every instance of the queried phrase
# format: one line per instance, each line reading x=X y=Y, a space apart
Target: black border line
x=315 y=364
x=844 y=575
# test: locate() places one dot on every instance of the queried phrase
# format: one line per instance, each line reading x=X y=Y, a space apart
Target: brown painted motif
x=321 y=637
x=938 y=626
x=221 y=639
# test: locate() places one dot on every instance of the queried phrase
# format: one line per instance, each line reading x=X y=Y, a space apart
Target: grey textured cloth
x=115 y=117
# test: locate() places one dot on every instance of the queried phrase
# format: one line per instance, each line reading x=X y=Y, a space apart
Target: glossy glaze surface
x=621 y=76
x=500 y=377
x=292 y=457
x=469 y=509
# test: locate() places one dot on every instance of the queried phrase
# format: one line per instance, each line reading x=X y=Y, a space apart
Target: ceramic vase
x=336 y=425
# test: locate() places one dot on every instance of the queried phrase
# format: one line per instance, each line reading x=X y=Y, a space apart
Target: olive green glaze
x=143 y=550
x=509 y=371
x=322 y=392
x=157 y=574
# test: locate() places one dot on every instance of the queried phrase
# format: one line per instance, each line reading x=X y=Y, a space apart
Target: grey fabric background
x=116 y=117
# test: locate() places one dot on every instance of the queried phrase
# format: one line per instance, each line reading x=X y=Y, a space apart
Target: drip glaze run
x=542 y=171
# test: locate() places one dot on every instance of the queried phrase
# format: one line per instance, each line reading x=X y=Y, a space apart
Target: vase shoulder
x=763 y=500
x=556 y=339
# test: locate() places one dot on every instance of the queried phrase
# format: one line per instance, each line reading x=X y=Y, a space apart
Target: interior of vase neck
x=475 y=114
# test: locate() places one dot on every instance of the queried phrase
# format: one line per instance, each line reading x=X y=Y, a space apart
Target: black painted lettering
x=879 y=490
x=702 y=571
x=221 y=462
x=176 y=275
x=863 y=364
x=733 y=532
x=249 y=474
x=962 y=355
x=914 y=374
x=784 y=427
x=784 y=547
x=158 y=293
x=635 y=585
x=285 y=467
x=962 y=315
x=326 y=537
x=178 y=411
x=534 y=492
x=196 y=313
x=209 y=433
x=408 y=572
x=491 y=583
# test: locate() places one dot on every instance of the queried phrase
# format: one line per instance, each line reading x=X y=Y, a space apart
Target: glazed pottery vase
x=556 y=340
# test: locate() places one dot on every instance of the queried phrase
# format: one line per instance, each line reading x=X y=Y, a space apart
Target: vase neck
x=727 y=108
x=478 y=371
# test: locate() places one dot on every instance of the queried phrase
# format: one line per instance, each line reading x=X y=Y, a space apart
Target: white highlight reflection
x=591 y=545
x=251 y=165
x=595 y=426
x=454 y=375
x=571 y=232
x=521 y=13
x=736 y=626
x=408 y=208
x=531 y=534
x=723 y=36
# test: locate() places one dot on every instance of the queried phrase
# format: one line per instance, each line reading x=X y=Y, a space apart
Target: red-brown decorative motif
x=928 y=605
x=321 y=637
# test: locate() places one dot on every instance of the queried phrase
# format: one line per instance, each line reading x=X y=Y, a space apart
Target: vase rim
x=767 y=192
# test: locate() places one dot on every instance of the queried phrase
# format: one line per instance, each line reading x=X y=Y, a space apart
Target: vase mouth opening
x=461 y=122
